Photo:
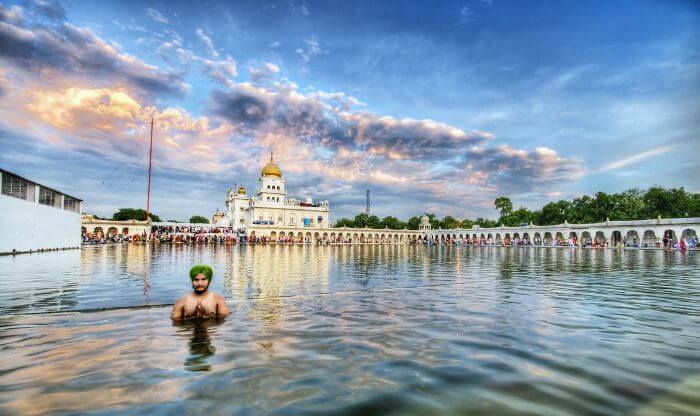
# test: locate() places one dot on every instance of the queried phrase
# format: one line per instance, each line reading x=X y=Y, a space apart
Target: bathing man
x=201 y=303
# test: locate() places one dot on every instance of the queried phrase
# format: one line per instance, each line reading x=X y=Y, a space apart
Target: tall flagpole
x=148 y=192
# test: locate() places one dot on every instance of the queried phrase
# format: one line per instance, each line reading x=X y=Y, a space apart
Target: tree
x=467 y=224
x=504 y=205
x=344 y=222
x=518 y=217
x=199 y=219
x=413 y=223
x=486 y=223
x=392 y=223
x=554 y=213
x=125 y=214
x=374 y=222
x=448 y=222
x=361 y=220
x=174 y=221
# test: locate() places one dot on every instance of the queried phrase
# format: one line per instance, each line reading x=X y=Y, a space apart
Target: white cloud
x=157 y=16
x=208 y=43
x=635 y=158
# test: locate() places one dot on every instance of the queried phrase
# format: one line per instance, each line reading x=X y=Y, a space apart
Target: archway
x=632 y=239
x=573 y=238
x=498 y=238
x=112 y=231
x=537 y=239
x=98 y=232
x=600 y=238
x=362 y=238
x=307 y=237
x=585 y=238
x=548 y=239
x=559 y=238
x=616 y=237
x=689 y=234
x=125 y=231
x=273 y=236
x=526 y=239
x=317 y=238
x=83 y=230
x=649 y=239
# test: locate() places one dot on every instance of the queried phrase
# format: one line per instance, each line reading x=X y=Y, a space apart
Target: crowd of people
x=228 y=236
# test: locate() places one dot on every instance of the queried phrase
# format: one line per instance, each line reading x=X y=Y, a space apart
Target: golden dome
x=241 y=190
x=271 y=169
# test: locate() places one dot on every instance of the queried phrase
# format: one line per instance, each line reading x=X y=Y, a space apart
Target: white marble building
x=271 y=206
x=36 y=217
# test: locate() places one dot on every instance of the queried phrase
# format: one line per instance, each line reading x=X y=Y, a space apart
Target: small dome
x=241 y=191
x=271 y=169
x=424 y=220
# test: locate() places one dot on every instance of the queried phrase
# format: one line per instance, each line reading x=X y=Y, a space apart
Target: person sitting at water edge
x=202 y=303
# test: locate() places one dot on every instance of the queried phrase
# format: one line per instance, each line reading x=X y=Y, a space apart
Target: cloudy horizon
x=438 y=108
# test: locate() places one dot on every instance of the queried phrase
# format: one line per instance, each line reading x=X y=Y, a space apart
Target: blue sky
x=440 y=107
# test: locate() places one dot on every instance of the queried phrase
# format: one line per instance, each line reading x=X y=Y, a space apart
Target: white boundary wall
x=26 y=225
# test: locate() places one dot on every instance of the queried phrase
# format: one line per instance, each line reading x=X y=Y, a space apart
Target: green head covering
x=203 y=269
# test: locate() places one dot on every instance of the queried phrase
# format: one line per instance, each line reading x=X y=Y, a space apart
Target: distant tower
x=367 y=208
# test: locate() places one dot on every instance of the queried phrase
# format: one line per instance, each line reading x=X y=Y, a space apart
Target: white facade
x=35 y=217
x=271 y=206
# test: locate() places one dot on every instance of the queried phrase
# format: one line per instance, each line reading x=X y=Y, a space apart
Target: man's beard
x=199 y=291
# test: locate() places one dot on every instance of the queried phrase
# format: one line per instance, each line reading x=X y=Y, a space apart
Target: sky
x=433 y=106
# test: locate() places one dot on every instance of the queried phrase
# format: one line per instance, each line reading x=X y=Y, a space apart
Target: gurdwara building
x=271 y=206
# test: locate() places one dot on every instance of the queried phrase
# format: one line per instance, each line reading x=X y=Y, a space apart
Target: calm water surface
x=353 y=330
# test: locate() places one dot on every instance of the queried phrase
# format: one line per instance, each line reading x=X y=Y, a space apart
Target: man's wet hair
x=203 y=269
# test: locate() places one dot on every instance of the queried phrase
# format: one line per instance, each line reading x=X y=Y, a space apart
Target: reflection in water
x=352 y=330
x=200 y=344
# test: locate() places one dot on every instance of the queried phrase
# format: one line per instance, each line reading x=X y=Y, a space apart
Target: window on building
x=47 y=196
x=14 y=186
x=280 y=219
x=72 y=204
x=292 y=220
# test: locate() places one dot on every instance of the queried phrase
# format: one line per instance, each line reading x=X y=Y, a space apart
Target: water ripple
x=352 y=330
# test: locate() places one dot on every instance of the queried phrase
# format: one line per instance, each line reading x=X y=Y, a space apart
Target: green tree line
x=632 y=204
x=125 y=214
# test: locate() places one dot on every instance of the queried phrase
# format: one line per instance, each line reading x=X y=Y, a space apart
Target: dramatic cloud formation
x=335 y=142
x=443 y=113
x=70 y=49
x=114 y=124
x=221 y=71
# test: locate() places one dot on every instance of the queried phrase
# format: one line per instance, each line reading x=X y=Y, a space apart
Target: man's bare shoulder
x=183 y=299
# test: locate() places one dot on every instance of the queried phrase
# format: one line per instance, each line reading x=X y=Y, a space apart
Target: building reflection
x=268 y=274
